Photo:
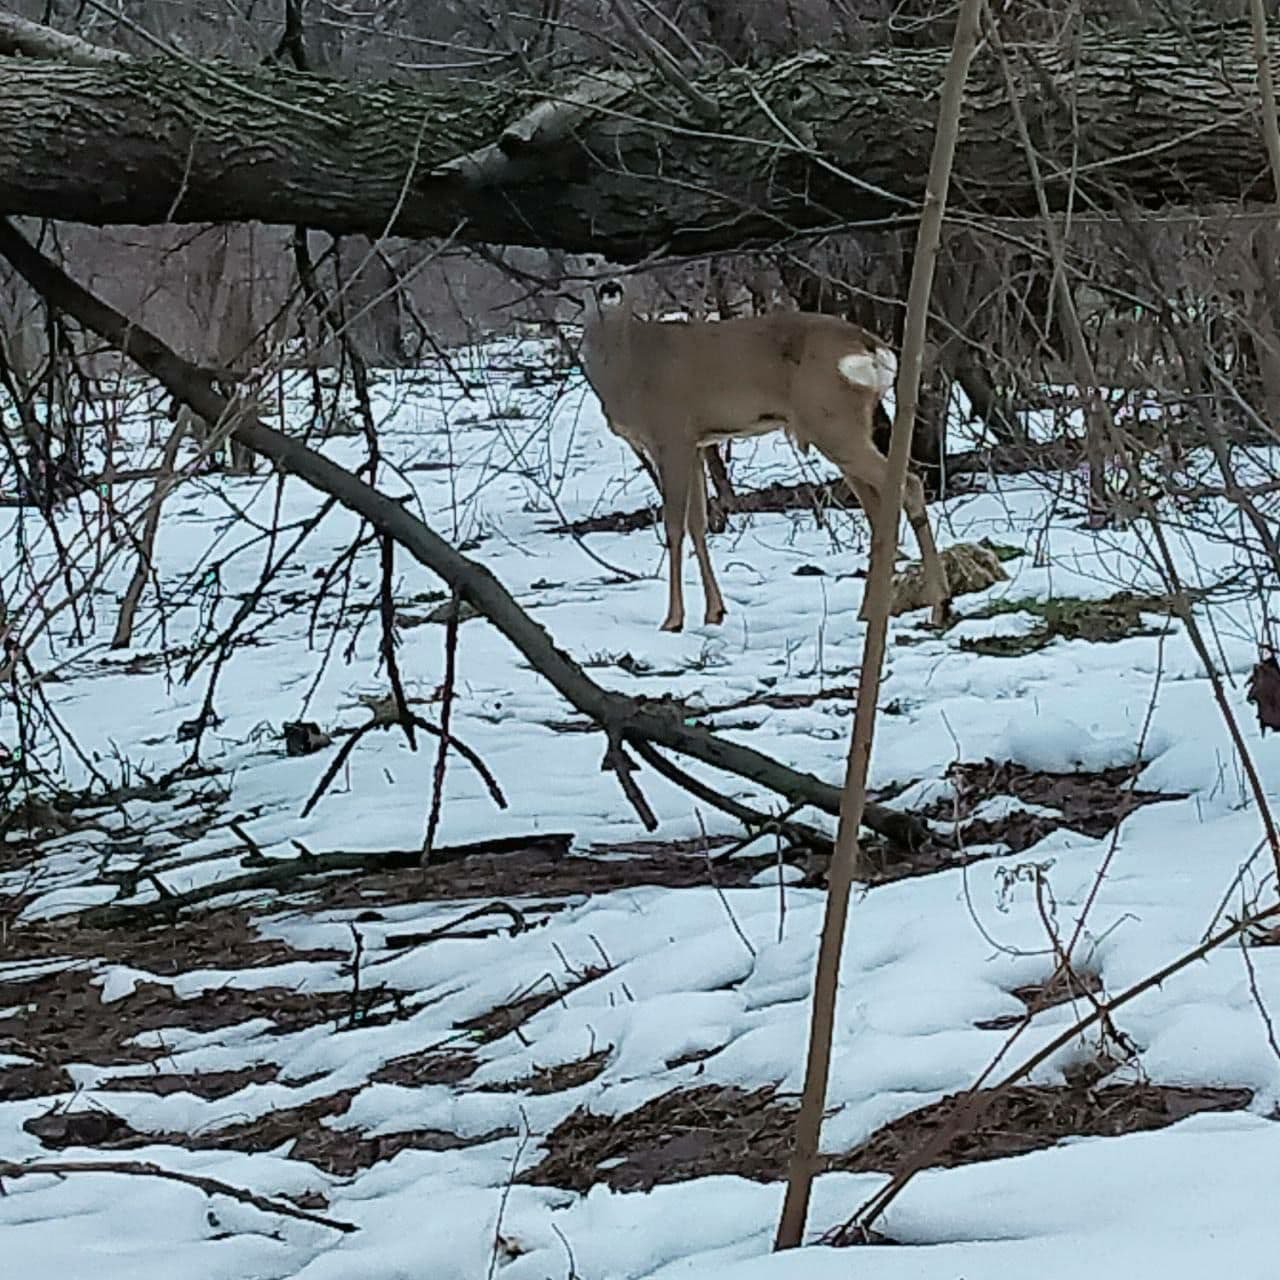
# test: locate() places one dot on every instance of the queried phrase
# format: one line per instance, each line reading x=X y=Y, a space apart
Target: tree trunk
x=611 y=165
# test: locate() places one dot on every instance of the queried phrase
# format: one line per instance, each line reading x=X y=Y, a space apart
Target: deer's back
x=731 y=377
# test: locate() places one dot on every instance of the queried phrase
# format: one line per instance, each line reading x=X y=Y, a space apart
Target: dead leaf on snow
x=1264 y=692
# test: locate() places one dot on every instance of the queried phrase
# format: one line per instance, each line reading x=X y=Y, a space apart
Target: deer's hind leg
x=869 y=498
x=866 y=468
x=935 y=575
x=676 y=465
x=696 y=520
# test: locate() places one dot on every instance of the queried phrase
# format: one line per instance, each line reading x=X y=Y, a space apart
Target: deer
x=673 y=389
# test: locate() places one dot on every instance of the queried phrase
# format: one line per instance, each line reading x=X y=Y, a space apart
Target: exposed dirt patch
x=204 y=1084
x=1097 y=621
x=1062 y=988
x=682 y=1135
x=889 y=861
x=429 y=1066
x=1030 y=1118
x=692 y=1058
x=300 y=1129
x=33 y=1080
x=846 y=693
x=539 y=872
x=568 y=1075
x=505 y=1018
x=1091 y=803
x=86 y=1126
x=63 y=1018
x=343 y=1153
x=154 y=1007
x=713 y=1130
x=216 y=940
x=1019 y=458
x=802 y=496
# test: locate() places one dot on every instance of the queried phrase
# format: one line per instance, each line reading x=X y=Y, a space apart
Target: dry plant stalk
x=848 y=860
x=165 y=483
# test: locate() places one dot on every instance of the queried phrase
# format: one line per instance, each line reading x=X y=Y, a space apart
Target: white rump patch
x=887 y=364
x=876 y=371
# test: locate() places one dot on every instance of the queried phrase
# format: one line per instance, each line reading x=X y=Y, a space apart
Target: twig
x=337 y=762
x=495 y=1253
x=205 y=71
x=387 y=611
x=280 y=873
x=452 y=618
x=1086 y=374
x=146 y=1169
x=255 y=849
x=756 y=822
x=165 y=483
x=706 y=109
x=380 y=722
x=715 y=884
x=1183 y=611
x=1266 y=90
x=617 y=761
x=400 y=941
x=353 y=1014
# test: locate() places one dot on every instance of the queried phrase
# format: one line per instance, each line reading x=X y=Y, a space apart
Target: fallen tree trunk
x=615 y=162
x=621 y=718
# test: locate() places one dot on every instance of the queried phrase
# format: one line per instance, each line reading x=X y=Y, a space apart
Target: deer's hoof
x=715 y=617
x=672 y=624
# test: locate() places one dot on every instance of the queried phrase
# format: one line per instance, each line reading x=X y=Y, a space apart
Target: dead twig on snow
x=146 y=1169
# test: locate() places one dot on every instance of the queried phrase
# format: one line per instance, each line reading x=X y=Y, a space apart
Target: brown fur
x=672 y=389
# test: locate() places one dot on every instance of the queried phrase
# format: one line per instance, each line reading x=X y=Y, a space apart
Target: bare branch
x=31 y=40
x=626 y=718
x=705 y=108
x=146 y=1169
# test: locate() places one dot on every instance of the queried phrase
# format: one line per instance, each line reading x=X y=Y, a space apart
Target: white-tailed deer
x=672 y=389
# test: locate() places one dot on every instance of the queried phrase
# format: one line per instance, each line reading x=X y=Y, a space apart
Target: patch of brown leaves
x=300 y=1129
x=1091 y=803
x=712 y=1130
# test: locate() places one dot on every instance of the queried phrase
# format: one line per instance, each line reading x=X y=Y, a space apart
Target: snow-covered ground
x=716 y=977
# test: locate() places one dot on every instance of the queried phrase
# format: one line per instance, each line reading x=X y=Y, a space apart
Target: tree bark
x=614 y=164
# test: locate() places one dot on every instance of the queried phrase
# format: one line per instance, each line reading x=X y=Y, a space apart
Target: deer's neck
x=608 y=349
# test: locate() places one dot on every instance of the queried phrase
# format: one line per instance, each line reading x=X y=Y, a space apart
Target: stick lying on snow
x=148 y=1169
x=290 y=873
x=623 y=719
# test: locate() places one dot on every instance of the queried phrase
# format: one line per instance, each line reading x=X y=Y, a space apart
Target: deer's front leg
x=697 y=524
